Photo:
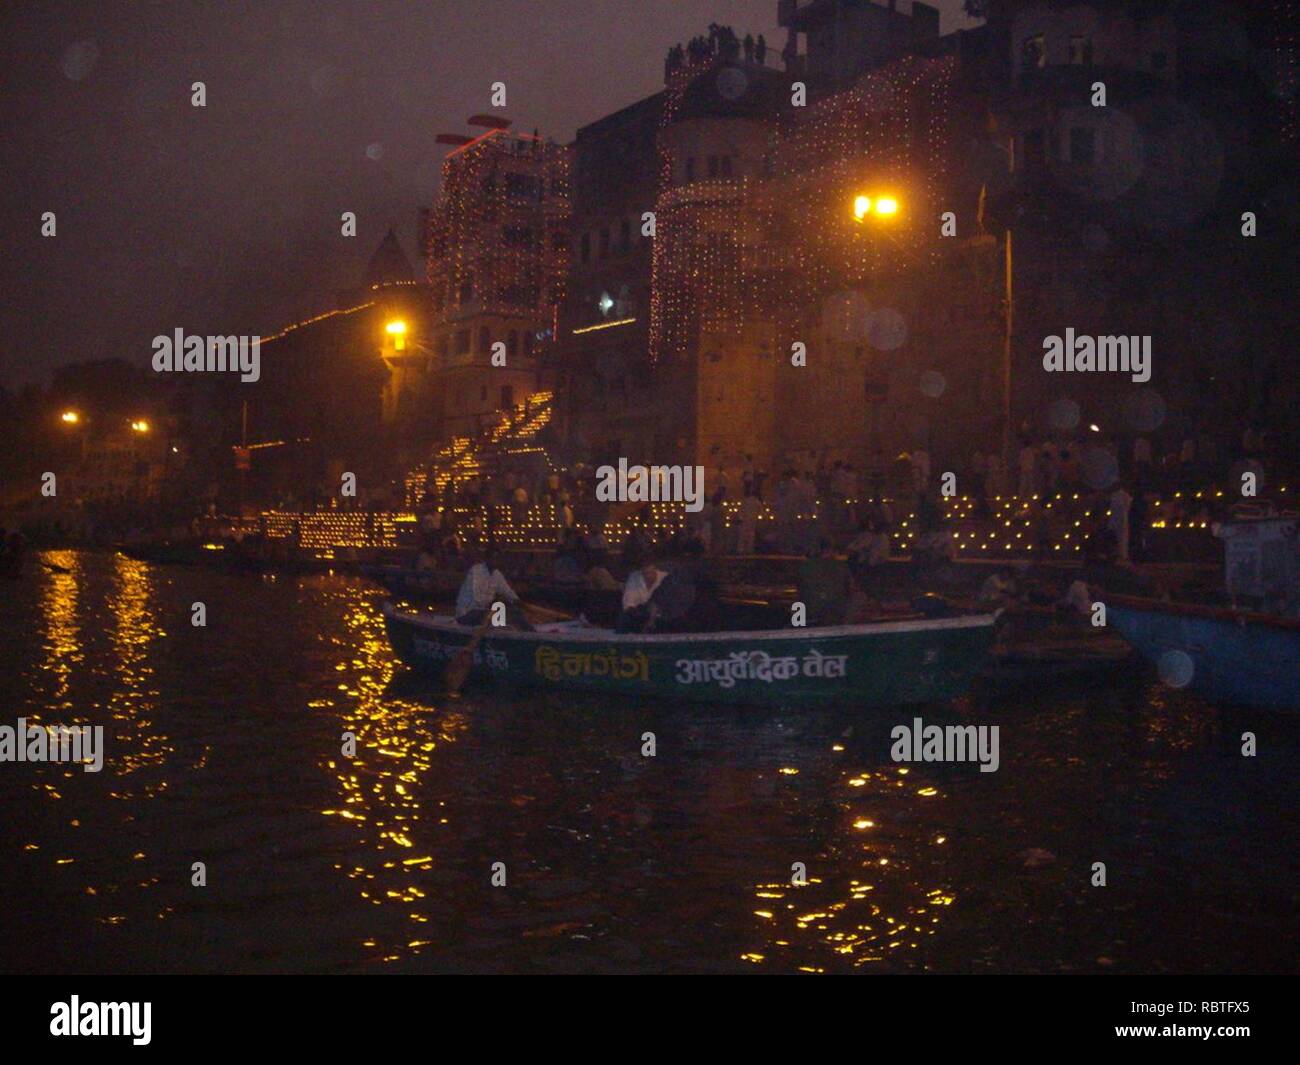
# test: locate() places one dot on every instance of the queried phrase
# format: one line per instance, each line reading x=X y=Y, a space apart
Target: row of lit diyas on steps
x=1008 y=529
x=328 y=530
x=461 y=460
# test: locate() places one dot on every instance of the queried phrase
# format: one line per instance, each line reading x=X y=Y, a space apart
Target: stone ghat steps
x=513 y=433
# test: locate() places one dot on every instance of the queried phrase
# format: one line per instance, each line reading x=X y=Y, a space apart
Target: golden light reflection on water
x=77 y=613
x=380 y=787
x=877 y=916
x=133 y=699
x=61 y=647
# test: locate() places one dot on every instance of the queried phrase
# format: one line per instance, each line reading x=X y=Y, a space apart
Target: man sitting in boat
x=639 y=613
x=484 y=586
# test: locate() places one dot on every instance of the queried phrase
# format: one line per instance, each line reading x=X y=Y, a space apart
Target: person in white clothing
x=483 y=586
x=639 y=613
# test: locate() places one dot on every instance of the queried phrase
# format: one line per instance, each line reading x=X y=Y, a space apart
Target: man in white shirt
x=639 y=614
x=483 y=586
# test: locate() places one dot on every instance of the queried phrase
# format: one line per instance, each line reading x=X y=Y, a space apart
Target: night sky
x=225 y=219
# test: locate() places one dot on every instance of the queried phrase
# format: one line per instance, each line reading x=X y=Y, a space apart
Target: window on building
x=462 y=341
x=1080 y=51
x=559 y=242
x=482 y=393
x=512 y=344
x=484 y=339
x=604 y=241
x=507 y=397
x=518 y=237
x=713 y=166
x=466 y=291
x=624 y=235
x=441 y=345
x=528 y=341
x=1033 y=53
x=1083 y=146
x=726 y=166
x=585 y=252
x=690 y=169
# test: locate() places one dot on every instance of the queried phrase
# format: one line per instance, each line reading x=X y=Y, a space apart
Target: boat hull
x=888 y=664
x=1228 y=657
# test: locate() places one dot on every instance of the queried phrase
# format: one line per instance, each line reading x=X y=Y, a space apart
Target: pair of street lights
x=881 y=207
x=71 y=417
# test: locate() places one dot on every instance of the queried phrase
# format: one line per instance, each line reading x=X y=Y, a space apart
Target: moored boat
x=888 y=663
x=1227 y=655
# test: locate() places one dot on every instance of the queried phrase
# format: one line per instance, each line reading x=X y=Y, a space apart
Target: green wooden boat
x=887 y=663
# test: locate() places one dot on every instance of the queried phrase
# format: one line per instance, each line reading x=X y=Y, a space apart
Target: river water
x=224 y=747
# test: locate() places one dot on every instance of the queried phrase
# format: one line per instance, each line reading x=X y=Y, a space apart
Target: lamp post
x=74 y=422
x=874 y=208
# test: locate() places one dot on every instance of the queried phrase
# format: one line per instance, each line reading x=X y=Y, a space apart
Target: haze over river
x=224 y=747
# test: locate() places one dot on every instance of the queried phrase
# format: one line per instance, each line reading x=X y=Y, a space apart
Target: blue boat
x=1228 y=656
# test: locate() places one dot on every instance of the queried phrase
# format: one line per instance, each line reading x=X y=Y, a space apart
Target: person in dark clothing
x=824 y=586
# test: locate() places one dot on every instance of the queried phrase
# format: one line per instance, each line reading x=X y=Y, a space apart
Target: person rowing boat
x=483 y=587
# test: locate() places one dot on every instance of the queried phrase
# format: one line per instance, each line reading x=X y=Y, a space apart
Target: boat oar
x=458 y=668
x=544 y=614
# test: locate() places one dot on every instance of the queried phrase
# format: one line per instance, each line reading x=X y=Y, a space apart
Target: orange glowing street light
x=881 y=207
x=71 y=417
x=140 y=425
x=397 y=330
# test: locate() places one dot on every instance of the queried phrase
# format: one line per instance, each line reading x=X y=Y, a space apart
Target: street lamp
x=397 y=330
x=140 y=425
x=881 y=207
x=71 y=417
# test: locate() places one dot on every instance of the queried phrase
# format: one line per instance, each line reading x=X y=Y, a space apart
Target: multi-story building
x=498 y=253
x=607 y=394
x=716 y=292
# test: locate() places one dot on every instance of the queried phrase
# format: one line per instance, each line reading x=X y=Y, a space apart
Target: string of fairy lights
x=494 y=237
x=771 y=243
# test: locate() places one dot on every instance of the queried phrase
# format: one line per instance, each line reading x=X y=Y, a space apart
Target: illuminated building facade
x=498 y=254
x=993 y=160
